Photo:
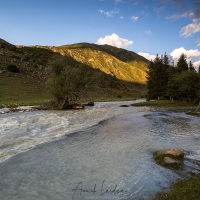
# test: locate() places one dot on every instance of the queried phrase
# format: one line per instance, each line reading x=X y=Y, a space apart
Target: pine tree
x=178 y=82
x=173 y=86
x=191 y=67
x=151 y=81
x=157 y=78
x=165 y=60
x=182 y=63
x=170 y=71
x=167 y=71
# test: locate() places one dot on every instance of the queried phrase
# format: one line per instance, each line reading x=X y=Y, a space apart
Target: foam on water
x=22 y=131
x=117 y=151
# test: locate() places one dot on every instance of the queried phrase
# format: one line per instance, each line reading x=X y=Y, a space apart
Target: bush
x=16 y=57
x=13 y=68
x=26 y=58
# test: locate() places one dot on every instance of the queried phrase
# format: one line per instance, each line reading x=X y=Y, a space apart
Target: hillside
x=120 y=73
x=123 y=64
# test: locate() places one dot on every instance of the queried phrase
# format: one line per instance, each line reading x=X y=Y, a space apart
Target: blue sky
x=146 y=27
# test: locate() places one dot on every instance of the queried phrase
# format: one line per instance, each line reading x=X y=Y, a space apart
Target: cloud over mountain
x=147 y=56
x=114 y=40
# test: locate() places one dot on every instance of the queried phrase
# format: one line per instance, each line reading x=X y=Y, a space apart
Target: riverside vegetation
x=111 y=73
x=173 y=85
x=180 y=82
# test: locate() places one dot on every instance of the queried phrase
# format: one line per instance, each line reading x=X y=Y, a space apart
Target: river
x=101 y=152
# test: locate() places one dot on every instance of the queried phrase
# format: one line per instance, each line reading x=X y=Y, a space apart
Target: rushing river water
x=101 y=152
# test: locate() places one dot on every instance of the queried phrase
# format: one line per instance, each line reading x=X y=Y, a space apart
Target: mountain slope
x=120 y=63
x=118 y=72
x=124 y=65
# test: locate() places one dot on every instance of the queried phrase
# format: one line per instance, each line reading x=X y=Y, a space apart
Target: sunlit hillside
x=123 y=64
x=24 y=71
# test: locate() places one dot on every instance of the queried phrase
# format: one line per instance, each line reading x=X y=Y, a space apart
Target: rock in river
x=170 y=158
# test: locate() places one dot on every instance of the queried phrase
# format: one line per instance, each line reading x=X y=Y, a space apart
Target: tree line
x=179 y=82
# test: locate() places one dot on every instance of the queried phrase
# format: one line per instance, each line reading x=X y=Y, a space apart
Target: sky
x=147 y=27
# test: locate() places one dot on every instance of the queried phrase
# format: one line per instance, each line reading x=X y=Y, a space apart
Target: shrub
x=16 y=57
x=26 y=58
x=13 y=68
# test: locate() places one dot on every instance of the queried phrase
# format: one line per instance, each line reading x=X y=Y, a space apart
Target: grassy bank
x=21 y=90
x=188 y=189
x=17 y=89
x=163 y=103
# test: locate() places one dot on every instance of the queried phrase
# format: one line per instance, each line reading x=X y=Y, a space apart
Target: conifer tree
x=166 y=60
x=191 y=67
x=178 y=82
x=150 y=81
x=156 y=79
x=182 y=63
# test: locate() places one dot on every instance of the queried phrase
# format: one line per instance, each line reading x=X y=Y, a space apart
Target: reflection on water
x=111 y=160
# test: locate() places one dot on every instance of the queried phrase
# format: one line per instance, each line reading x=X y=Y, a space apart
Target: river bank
x=166 y=103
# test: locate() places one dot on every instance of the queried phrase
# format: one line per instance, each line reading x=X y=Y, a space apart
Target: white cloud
x=189 y=53
x=148 y=32
x=110 y=13
x=121 y=17
x=181 y=15
x=190 y=29
x=134 y=18
x=194 y=15
x=114 y=40
x=147 y=56
x=196 y=64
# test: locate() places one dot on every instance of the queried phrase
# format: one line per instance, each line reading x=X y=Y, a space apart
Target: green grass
x=110 y=94
x=18 y=89
x=188 y=189
x=164 y=103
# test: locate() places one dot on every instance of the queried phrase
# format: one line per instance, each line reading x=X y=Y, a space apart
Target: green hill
x=120 y=73
x=123 y=64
